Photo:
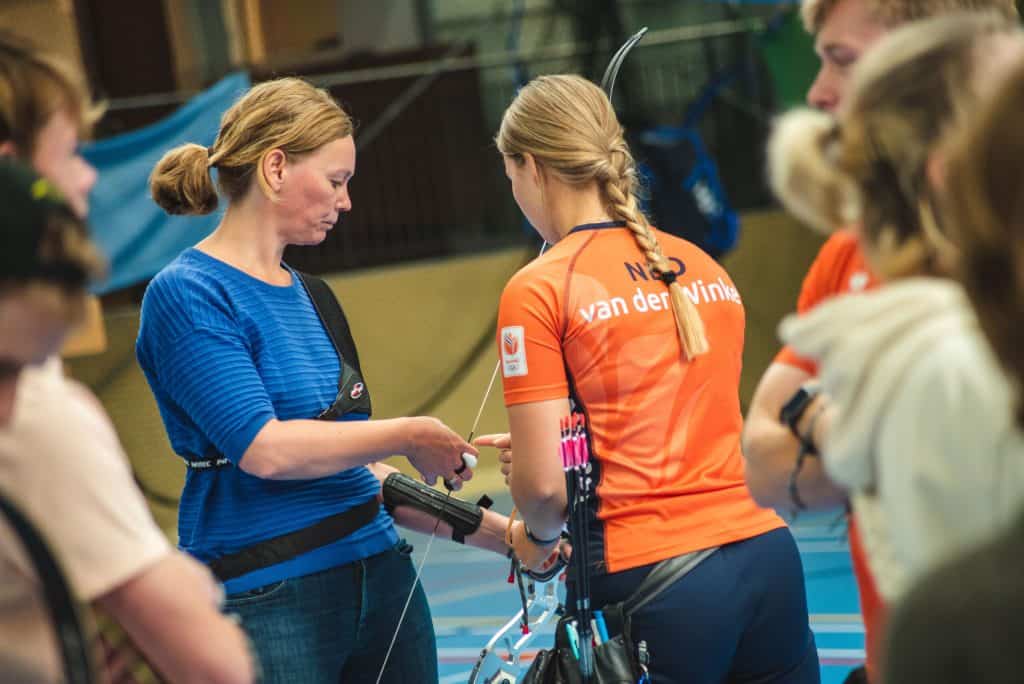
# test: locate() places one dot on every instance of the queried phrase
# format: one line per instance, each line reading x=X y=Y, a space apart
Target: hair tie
x=667 y=277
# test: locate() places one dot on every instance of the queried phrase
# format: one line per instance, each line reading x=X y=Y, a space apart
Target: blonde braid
x=568 y=124
x=618 y=190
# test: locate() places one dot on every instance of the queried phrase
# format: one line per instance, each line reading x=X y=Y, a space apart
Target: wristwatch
x=793 y=409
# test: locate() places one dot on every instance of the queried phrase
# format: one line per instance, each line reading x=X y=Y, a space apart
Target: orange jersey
x=840 y=267
x=587 y=320
x=872 y=608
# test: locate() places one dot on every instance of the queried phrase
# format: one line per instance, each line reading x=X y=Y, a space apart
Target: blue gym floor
x=470 y=598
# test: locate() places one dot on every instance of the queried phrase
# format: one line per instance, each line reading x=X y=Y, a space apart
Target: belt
x=287 y=546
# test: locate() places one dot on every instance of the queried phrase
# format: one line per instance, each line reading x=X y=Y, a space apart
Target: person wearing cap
x=45 y=264
x=74 y=482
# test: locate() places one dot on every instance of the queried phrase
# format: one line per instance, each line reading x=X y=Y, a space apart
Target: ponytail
x=181 y=181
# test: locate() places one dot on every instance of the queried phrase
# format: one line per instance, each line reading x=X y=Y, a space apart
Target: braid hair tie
x=667 y=277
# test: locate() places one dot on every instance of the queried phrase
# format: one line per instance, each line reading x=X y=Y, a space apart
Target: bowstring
x=437 y=523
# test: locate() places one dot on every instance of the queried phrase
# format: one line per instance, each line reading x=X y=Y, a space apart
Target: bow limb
x=611 y=73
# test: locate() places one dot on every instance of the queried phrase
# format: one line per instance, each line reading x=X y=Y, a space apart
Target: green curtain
x=789 y=55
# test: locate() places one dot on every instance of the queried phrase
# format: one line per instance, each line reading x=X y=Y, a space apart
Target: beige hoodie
x=925 y=439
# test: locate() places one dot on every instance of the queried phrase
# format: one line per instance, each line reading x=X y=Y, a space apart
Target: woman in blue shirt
x=240 y=364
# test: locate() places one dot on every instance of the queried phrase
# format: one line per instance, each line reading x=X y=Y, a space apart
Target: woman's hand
x=532 y=556
x=436 y=451
x=503 y=443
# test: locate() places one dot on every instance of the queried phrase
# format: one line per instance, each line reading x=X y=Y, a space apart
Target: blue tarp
x=136 y=235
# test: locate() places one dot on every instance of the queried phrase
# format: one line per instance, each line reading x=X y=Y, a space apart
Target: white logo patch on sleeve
x=513 y=351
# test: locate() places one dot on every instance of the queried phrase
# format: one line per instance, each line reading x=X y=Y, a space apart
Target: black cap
x=34 y=224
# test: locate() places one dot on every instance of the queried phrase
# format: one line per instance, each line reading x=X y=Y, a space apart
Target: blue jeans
x=335 y=626
x=740 y=616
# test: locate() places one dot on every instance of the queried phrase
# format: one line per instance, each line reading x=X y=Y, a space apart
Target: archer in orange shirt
x=643 y=333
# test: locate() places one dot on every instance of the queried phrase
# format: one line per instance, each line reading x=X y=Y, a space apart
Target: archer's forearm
x=490 y=535
x=543 y=512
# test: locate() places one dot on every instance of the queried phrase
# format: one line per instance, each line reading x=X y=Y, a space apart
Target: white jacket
x=925 y=439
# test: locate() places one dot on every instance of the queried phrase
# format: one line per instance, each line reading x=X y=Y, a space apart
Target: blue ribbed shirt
x=224 y=353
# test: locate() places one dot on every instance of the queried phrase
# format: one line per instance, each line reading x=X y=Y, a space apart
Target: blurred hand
x=501 y=441
x=435 y=450
x=565 y=551
x=201 y=579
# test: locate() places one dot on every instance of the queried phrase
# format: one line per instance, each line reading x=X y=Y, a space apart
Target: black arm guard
x=464 y=517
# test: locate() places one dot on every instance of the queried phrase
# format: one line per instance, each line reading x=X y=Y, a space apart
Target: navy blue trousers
x=739 y=617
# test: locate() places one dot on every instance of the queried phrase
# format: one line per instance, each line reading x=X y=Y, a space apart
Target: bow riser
x=509 y=669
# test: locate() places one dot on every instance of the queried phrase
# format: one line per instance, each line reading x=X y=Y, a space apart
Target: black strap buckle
x=353 y=396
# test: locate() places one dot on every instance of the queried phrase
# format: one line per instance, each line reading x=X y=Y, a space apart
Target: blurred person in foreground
x=60 y=459
x=964 y=621
x=918 y=427
x=787 y=394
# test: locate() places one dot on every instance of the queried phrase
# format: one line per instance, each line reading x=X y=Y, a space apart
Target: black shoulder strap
x=75 y=651
x=662 y=576
x=333 y=318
